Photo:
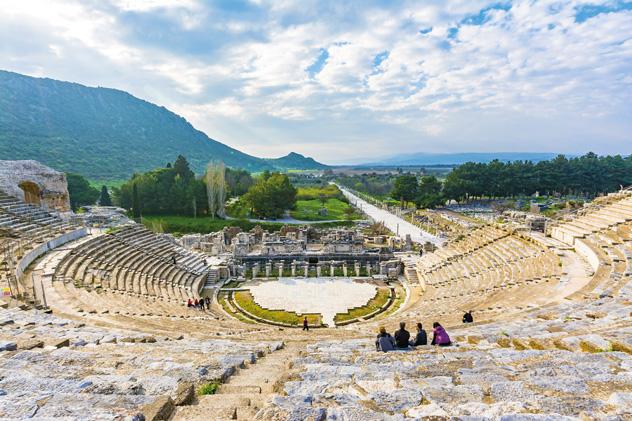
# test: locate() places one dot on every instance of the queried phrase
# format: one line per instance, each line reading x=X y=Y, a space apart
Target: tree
x=164 y=191
x=271 y=196
x=405 y=188
x=349 y=211
x=430 y=195
x=182 y=168
x=135 y=201
x=80 y=191
x=105 y=199
x=216 y=189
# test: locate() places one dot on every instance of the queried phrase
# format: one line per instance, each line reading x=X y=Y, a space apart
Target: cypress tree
x=135 y=202
x=105 y=199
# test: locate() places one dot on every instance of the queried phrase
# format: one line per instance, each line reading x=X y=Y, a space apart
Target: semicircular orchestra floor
x=327 y=296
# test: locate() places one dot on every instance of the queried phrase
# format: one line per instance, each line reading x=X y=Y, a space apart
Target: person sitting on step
x=384 y=341
x=467 y=317
x=402 y=336
x=421 y=338
x=440 y=336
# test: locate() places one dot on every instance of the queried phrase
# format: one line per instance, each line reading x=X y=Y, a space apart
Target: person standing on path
x=305 y=325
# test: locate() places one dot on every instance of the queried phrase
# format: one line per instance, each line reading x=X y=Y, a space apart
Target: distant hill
x=460 y=158
x=105 y=133
x=296 y=161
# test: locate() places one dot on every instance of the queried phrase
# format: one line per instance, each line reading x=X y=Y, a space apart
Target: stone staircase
x=211 y=278
x=246 y=392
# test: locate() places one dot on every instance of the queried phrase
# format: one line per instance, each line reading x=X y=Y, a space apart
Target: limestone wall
x=43 y=248
x=35 y=183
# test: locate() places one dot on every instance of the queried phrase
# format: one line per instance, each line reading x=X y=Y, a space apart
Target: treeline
x=175 y=190
x=374 y=184
x=587 y=175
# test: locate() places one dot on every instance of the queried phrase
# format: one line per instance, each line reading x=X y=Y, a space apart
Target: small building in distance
x=35 y=183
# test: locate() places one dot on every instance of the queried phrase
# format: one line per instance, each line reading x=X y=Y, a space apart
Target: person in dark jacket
x=467 y=317
x=208 y=303
x=384 y=341
x=402 y=337
x=421 y=338
x=305 y=324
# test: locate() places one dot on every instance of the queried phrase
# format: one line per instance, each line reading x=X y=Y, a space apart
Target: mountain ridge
x=104 y=133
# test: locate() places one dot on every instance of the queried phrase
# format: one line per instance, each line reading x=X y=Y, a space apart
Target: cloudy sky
x=349 y=81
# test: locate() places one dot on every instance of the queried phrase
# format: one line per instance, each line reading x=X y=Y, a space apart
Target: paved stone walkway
x=392 y=222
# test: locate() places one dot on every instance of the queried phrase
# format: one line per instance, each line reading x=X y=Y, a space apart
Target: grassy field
x=307 y=210
x=186 y=224
x=245 y=300
x=375 y=303
x=316 y=192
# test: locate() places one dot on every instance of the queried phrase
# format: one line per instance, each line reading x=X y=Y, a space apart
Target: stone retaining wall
x=43 y=248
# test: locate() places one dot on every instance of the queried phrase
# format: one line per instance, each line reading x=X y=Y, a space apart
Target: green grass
x=307 y=210
x=187 y=224
x=378 y=301
x=315 y=192
x=222 y=300
x=208 y=388
x=245 y=301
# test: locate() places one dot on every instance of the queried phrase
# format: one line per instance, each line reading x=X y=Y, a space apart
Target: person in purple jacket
x=440 y=336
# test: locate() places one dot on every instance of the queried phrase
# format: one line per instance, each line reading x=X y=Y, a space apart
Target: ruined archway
x=32 y=192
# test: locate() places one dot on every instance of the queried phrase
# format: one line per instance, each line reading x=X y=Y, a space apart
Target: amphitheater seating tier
x=135 y=261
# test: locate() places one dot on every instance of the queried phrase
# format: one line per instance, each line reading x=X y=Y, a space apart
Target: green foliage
x=270 y=196
x=80 y=191
x=429 y=192
x=136 y=209
x=208 y=388
x=186 y=224
x=245 y=301
x=237 y=182
x=377 y=302
x=377 y=185
x=405 y=188
x=588 y=174
x=308 y=210
x=328 y=191
x=164 y=191
x=105 y=199
x=296 y=161
x=105 y=134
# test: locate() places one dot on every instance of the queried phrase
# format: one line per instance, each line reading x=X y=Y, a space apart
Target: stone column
x=306 y=269
x=344 y=269
x=268 y=269
x=356 y=266
x=368 y=268
x=255 y=270
x=281 y=270
x=293 y=268
x=332 y=269
x=318 y=271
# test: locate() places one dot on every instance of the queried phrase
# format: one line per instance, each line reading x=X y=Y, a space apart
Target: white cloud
x=243 y=74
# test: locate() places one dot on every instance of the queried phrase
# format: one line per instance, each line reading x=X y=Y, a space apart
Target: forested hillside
x=101 y=133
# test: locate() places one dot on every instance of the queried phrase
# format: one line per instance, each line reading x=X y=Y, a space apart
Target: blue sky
x=350 y=81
